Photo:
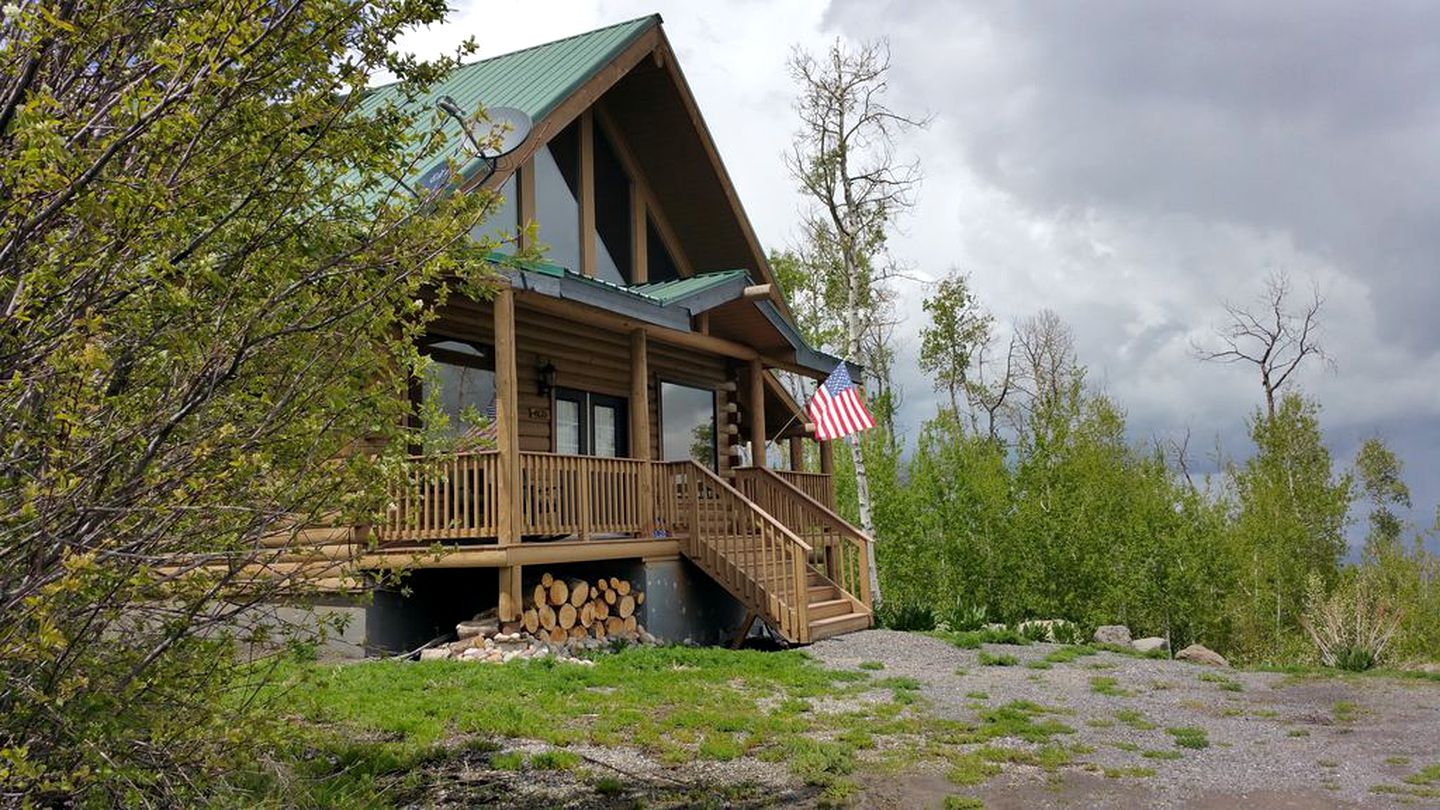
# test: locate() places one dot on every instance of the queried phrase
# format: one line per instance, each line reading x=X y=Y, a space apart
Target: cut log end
x=559 y=593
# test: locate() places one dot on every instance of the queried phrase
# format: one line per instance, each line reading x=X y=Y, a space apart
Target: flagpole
x=797 y=415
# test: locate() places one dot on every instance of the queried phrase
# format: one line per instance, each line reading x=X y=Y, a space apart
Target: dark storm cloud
x=1139 y=162
x=1317 y=120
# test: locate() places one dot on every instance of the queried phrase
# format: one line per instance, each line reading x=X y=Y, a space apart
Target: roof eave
x=805 y=355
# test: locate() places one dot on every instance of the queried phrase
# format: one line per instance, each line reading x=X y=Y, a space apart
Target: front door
x=589 y=424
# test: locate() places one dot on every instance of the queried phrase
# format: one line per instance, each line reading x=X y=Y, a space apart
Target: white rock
x=1150 y=644
x=472 y=654
x=435 y=654
x=1201 y=654
x=1114 y=634
x=477 y=628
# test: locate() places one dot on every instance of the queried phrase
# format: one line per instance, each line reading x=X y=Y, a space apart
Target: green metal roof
x=669 y=291
x=535 y=80
x=663 y=293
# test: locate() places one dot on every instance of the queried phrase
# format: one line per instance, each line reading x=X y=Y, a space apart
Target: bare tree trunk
x=857 y=455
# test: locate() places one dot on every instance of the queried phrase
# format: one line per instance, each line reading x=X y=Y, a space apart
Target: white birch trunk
x=862 y=480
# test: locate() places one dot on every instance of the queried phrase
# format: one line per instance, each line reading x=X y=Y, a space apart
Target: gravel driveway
x=1274 y=741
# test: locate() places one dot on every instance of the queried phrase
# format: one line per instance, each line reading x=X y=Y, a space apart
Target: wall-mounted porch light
x=546 y=376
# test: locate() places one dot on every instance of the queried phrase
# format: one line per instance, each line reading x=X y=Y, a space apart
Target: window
x=460 y=384
x=590 y=424
x=612 y=213
x=503 y=223
x=687 y=422
x=661 y=264
x=557 y=191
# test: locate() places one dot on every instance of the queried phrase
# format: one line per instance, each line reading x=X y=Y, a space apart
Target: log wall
x=591 y=359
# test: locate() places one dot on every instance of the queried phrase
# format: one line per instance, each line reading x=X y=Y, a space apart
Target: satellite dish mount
x=509 y=129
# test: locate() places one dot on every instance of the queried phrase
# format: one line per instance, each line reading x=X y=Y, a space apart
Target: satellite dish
x=508 y=129
x=510 y=126
x=507 y=125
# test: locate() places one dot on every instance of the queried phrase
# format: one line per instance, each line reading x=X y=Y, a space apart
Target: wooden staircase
x=805 y=590
x=831 y=611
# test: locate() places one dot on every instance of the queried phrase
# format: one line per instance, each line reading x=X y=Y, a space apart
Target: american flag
x=836 y=407
x=486 y=433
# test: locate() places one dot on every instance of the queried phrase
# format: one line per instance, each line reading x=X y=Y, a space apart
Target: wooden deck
x=772 y=544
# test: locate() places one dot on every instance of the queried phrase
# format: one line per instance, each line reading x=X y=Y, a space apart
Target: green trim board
x=675 y=313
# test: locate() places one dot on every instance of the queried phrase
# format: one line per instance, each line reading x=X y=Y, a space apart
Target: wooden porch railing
x=445 y=498
x=819 y=486
x=582 y=495
x=841 y=547
x=751 y=554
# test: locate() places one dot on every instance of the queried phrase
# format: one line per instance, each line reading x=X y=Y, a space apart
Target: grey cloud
x=1139 y=162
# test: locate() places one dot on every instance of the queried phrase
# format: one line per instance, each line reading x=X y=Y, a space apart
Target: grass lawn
x=383 y=732
x=370 y=729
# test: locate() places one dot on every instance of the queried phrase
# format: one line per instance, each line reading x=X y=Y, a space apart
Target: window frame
x=587 y=400
x=660 y=382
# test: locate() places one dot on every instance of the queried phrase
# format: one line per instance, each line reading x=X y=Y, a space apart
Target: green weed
x=997 y=659
x=1189 y=737
x=1108 y=686
x=1227 y=684
x=1134 y=719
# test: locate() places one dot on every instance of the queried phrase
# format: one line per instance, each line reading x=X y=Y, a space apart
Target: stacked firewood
x=560 y=609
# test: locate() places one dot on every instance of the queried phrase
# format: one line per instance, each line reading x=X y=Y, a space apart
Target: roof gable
x=627 y=73
x=536 y=80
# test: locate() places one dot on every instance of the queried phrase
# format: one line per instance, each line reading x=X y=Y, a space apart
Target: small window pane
x=557 y=183
x=687 y=417
x=458 y=347
x=661 y=265
x=567 y=426
x=612 y=213
x=605 y=431
x=502 y=224
x=466 y=397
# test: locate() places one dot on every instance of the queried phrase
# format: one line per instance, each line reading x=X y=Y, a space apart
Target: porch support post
x=587 y=194
x=757 y=414
x=797 y=454
x=827 y=458
x=511 y=595
x=507 y=415
x=639 y=238
x=640 y=426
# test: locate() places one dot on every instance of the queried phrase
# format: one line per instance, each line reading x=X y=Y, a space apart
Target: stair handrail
x=844 y=528
x=799 y=556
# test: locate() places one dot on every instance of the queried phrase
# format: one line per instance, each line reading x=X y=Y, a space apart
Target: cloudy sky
x=1130 y=165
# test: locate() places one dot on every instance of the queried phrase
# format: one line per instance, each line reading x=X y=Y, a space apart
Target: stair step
x=823 y=593
x=836 y=625
x=829 y=608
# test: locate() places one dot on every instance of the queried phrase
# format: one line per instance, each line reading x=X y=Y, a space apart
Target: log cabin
x=631 y=378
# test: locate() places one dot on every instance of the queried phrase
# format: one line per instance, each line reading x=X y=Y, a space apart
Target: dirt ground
x=1258 y=740
x=1274 y=740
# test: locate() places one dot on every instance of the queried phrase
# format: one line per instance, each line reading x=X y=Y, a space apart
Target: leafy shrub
x=1351 y=626
x=907 y=616
x=1066 y=633
x=973 y=639
x=966 y=616
x=1034 y=631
